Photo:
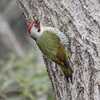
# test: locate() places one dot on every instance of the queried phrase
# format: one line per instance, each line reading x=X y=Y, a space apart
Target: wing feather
x=51 y=46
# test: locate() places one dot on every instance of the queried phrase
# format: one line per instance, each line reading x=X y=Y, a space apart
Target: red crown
x=31 y=23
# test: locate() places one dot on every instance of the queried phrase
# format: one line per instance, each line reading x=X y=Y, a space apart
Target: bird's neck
x=35 y=34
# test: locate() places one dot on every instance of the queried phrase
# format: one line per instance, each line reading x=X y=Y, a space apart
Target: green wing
x=49 y=44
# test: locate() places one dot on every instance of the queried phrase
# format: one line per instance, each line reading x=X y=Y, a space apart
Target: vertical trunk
x=79 y=20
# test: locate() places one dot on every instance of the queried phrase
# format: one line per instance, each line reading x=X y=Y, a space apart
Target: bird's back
x=48 y=43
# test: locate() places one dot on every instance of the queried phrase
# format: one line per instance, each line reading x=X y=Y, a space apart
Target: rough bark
x=80 y=22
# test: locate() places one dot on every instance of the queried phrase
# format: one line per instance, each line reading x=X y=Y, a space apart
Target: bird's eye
x=39 y=30
x=37 y=25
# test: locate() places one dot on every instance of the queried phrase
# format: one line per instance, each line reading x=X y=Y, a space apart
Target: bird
x=50 y=45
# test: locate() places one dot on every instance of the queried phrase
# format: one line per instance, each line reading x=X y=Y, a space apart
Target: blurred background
x=23 y=75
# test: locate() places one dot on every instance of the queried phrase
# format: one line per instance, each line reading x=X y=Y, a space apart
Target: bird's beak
x=30 y=19
x=27 y=15
x=24 y=9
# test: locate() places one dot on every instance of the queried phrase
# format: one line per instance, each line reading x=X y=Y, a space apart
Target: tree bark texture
x=80 y=22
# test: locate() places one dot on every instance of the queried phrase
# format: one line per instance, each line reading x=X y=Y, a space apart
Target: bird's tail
x=67 y=70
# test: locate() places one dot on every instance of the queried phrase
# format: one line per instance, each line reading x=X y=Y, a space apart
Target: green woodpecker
x=51 y=46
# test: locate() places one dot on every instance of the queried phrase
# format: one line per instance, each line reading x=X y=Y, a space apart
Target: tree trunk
x=79 y=20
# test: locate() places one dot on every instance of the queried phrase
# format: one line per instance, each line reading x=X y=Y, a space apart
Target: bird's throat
x=35 y=34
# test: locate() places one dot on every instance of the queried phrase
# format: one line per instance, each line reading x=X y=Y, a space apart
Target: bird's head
x=33 y=23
